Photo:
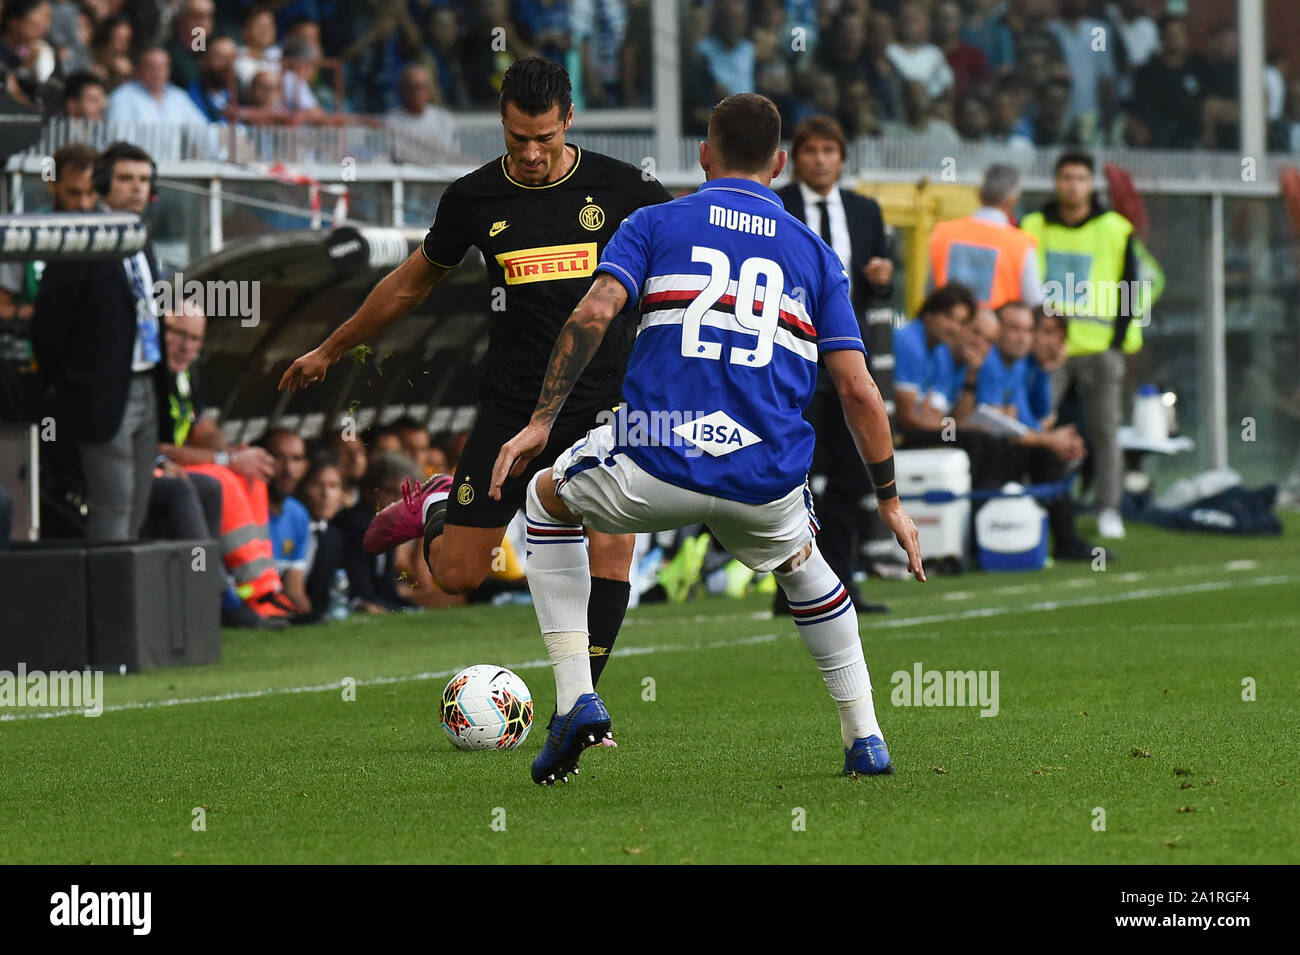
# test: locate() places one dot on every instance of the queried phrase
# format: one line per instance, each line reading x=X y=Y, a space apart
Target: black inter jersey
x=541 y=245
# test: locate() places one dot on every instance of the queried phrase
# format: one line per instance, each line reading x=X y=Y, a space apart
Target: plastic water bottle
x=340 y=596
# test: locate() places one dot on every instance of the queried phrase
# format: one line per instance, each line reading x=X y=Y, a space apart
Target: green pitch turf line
x=628 y=651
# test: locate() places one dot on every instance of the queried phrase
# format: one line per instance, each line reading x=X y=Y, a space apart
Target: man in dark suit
x=96 y=337
x=852 y=225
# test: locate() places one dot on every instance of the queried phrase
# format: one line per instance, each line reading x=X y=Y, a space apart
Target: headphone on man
x=102 y=175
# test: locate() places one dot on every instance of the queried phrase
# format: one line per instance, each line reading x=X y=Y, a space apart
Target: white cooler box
x=1011 y=533
x=935 y=475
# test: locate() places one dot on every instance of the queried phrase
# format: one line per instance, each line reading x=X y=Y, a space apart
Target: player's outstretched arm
x=400 y=291
x=574 y=347
x=864 y=411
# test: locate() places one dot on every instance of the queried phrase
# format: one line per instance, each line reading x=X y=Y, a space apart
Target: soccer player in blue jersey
x=738 y=299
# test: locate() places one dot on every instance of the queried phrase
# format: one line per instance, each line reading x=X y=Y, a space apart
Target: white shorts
x=614 y=495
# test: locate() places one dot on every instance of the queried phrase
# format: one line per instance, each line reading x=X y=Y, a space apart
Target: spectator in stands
x=1053 y=125
x=988 y=32
x=1009 y=127
x=1222 y=129
x=23 y=47
x=482 y=56
x=636 y=67
x=213 y=91
x=920 y=127
x=111 y=48
x=1284 y=135
x=727 y=51
x=1091 y=67
x=350 y=453
x=1139 y=38
x=844 y=53
x=773 y=77
x=264 y=99
x=321 y=492
x=1027 y=20
x=383 y=440
x=985 y=251
x=259 y=52
x=289 y=523
x=1168 y=93
x=84 y=97
x=299 y=65
x=914 y=57
x=545 y=26
x=859 y=113
x=71 y=29
x=416 y=445
x=423 y=132
x=443 y=42
x=372 y=579
x=192 y=441
x=193 y=29
x=95 y=329
x=1042 y=456
x=150 y=99
x=815 y=94
x=970 y=68
x=599 y=31
x=973 y=118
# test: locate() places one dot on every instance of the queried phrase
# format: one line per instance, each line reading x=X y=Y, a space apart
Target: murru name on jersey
x=742 y=221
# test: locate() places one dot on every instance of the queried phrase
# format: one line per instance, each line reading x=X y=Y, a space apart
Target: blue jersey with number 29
x=737 y=300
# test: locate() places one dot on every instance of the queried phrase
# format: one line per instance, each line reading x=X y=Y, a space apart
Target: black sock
x=605 y=609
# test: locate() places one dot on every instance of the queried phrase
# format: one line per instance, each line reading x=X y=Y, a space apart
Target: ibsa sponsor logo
x=547 y=263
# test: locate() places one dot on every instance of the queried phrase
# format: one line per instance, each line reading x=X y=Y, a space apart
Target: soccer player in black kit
x=541 y=215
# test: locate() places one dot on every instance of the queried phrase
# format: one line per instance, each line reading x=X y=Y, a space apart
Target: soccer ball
x=486 y=707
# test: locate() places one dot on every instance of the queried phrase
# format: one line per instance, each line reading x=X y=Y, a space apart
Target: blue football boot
x=587 y=724
x=868 y=757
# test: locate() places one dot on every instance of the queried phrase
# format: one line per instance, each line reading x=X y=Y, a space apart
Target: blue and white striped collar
x=747 y=186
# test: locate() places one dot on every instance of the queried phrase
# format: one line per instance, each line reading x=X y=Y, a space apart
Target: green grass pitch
x=1120 y=692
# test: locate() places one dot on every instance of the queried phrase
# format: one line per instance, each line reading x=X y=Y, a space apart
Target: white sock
x=559 y=577
x=828 y=625
x=429 y=501
x=571 y=664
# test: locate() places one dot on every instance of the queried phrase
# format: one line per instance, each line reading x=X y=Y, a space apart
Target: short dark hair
x=73 y=157
x=1016 y=303
x=745 y=131
x=120 y=151
x=535 y=84
x=819 y=127
x=947 y=297
x=405 y=423
x=1074 y=157
x=318 y=462
x=77 y=83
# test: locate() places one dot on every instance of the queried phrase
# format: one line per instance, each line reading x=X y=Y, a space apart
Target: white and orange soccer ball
x=486 y=707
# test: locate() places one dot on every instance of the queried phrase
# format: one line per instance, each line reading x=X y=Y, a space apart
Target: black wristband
x=882 y=479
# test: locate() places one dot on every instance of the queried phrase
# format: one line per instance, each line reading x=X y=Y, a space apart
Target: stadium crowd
x=1018 y=73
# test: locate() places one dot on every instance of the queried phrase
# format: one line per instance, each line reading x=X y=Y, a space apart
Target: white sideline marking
x=1042 y=605
x=375 y=681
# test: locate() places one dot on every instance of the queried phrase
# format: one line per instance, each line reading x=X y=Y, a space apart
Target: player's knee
x=460 y=579
x=542 y=501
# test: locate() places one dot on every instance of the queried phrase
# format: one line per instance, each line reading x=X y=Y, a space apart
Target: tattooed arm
x=577 y=342
x=574 y=347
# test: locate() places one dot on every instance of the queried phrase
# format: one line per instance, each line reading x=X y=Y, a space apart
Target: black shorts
x=469 y=504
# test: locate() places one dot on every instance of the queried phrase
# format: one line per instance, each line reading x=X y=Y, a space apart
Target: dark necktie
x=824 y=208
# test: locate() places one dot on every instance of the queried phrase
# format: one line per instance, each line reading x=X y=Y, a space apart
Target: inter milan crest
x=591 y=217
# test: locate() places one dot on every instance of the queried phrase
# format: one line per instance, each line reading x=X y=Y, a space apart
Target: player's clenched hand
x=892 y=513
x=307 y=369
x=515 y=455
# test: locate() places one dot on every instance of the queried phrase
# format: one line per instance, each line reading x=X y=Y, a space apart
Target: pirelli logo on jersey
x=547 y=263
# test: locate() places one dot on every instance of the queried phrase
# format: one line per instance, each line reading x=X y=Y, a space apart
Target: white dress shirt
x=839 y=220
